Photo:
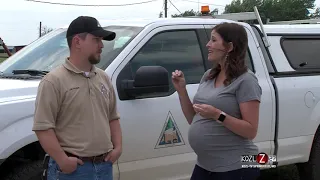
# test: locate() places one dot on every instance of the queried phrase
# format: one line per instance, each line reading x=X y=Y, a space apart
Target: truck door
x=254 y=61
x=155 y=143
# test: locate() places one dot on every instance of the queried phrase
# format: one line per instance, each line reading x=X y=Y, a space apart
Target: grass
x=2 y=59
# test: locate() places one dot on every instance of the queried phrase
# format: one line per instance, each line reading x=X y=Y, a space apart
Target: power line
x=71 y=4
x=198 y=2
x=174 y=6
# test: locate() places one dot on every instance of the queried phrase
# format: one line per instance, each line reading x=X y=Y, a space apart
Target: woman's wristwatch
x=221 y=117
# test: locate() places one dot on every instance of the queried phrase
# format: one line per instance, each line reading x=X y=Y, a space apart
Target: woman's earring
x=226 y=58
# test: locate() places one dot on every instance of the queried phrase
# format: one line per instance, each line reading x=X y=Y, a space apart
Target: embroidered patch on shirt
x=104 y=90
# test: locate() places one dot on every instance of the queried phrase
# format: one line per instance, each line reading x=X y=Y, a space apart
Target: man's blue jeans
x=87 y=171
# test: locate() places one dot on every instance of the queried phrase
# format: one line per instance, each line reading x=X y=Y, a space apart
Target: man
x=76 y=118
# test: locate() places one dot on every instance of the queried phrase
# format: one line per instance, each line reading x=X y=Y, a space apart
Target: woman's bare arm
x=186 y=105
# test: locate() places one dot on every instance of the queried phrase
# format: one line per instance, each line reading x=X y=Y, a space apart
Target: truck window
x=51 y=51
x=248 y=59
x=172 y=50
x=302 y=52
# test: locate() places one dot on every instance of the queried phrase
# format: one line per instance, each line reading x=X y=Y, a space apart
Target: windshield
x=51 y=50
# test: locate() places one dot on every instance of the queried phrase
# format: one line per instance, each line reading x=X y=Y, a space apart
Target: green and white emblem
x=170 y=134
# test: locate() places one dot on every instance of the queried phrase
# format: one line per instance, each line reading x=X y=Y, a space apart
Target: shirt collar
x=68 y=65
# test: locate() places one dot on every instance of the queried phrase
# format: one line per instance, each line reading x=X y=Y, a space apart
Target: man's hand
x=69 y=164
x=116 y=139
x=207 y=111
x=113 y=156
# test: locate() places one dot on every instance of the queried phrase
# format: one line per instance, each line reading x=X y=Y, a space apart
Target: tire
x=311 y=169
x=26 y=171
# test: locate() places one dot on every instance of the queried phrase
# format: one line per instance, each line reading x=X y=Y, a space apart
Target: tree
x=45 y=30
x=161 y=14
x=187 y=13
x=276 y=10
x=316 y=14
x=242 y=6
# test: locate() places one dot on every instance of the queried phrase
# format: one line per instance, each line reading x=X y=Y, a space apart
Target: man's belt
x=96 y=159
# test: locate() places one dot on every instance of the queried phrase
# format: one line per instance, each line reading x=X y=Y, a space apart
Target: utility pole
x=198 y=6
x=40 y=29
x=165 y=8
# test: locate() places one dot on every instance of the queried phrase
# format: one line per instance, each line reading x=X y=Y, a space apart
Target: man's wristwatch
x=222 y=117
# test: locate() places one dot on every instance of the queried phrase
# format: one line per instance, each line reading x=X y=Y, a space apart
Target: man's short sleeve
x=114 y=114
x=46 y=106
x=249 y=89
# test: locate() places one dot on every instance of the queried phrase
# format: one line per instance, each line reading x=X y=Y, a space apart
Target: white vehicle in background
x=139 y=62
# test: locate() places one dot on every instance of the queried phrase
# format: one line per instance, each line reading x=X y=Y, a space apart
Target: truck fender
x=314 y=119
x=16 y=136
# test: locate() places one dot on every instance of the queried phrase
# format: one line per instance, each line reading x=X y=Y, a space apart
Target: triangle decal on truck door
x=170 y=135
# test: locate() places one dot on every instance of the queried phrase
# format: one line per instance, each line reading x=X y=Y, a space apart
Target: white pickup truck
x=155 y=143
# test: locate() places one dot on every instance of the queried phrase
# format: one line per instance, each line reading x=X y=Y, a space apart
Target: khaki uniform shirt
x=78 y=108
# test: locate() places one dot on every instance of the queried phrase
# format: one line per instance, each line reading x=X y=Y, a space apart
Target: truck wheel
x=27 y=171
x=311 y=169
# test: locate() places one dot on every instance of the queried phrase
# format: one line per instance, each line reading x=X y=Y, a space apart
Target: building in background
x=12 y=49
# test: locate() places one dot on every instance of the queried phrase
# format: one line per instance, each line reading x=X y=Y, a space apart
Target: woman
x=225 y=110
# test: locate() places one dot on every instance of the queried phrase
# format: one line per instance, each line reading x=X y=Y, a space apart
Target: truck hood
x=13 y=90
x=16 y=100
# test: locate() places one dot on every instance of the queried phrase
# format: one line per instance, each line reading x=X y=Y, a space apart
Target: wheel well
x=31 y=151
x=316 y=136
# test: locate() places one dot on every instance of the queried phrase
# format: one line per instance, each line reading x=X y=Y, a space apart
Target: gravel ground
x=289 y=172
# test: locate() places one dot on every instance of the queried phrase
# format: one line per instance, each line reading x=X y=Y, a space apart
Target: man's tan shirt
x=78 y=108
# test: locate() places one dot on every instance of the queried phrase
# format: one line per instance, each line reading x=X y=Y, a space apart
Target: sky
x=20 y=19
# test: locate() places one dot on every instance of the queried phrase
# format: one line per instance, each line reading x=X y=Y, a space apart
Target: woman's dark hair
x=235 y=62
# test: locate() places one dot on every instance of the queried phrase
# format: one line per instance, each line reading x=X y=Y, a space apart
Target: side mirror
x=148 y=79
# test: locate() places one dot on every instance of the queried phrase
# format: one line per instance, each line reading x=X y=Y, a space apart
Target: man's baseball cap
x=87 y=24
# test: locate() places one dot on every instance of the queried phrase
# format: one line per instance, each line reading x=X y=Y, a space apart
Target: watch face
x=221 y=117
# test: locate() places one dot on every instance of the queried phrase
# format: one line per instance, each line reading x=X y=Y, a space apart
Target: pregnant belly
x=207 y=136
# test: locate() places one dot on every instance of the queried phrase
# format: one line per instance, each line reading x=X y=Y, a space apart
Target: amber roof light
x=205 y=9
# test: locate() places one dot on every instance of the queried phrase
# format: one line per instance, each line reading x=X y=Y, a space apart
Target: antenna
x=198 y=6
x=265 y=37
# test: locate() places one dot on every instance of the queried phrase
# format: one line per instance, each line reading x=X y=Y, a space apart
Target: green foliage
x=275 y=10
x=316 y=14
x=187 y=13
x=2 y=59
x=193 y=13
